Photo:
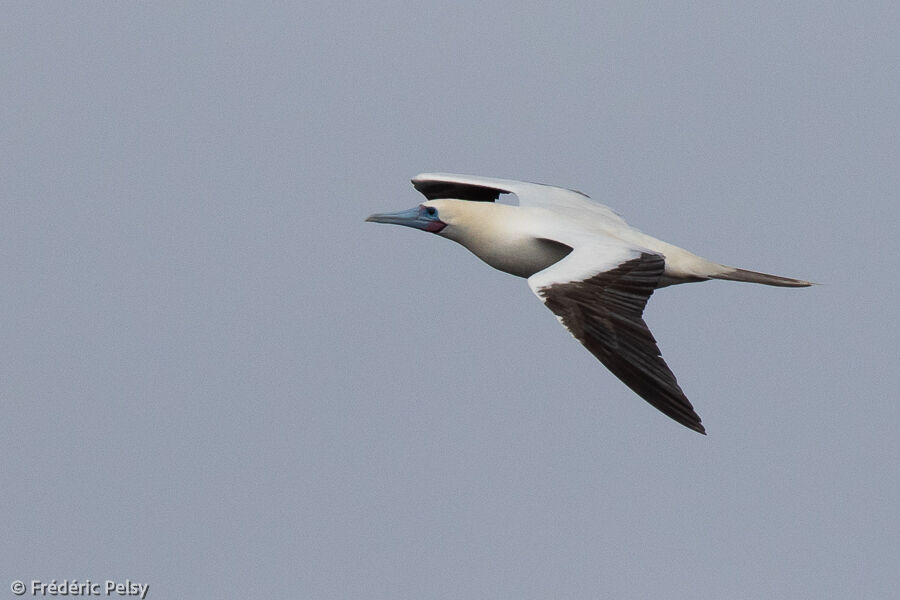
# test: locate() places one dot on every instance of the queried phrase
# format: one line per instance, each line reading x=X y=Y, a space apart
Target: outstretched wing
x=601 y=305
x=487 y=189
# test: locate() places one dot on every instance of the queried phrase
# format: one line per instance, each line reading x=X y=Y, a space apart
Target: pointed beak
x=417 y=217
x=404 y=217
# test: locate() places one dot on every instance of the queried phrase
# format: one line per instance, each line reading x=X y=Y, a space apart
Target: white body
x=508 y=239
x=593 y=270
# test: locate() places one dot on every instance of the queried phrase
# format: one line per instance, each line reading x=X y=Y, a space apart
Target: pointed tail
x=735 y=274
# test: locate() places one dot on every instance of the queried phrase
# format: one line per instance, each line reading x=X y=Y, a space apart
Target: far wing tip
x=435 y=186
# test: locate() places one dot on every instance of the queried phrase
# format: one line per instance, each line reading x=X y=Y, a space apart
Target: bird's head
x=433 y=216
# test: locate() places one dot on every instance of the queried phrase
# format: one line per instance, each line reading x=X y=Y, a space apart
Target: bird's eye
x=430 y=211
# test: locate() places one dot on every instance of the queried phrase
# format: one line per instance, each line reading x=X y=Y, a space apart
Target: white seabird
x=591 y=268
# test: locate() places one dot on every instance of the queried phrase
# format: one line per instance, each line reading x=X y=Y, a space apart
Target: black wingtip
x=698 y=428
x=690 y=420
x=436 y=190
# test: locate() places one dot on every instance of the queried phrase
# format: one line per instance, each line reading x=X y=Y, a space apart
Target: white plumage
x=592 y=269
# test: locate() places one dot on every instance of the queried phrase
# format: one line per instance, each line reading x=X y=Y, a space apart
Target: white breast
x=507 y=238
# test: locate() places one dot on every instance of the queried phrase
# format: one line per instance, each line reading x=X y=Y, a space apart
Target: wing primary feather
x=604 y=312
x=436 y=190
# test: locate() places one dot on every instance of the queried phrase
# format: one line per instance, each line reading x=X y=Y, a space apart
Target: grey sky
x=218 y=380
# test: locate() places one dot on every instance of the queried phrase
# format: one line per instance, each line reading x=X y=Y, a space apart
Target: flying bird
x=587 y=265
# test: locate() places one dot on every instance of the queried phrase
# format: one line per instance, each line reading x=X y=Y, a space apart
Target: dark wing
x=436 y=189
x=604 y=313
x=437 y=186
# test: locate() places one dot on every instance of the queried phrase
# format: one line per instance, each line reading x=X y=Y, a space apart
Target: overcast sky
x=217 y=379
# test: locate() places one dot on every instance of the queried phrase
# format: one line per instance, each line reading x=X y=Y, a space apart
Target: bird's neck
x=500 y=235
